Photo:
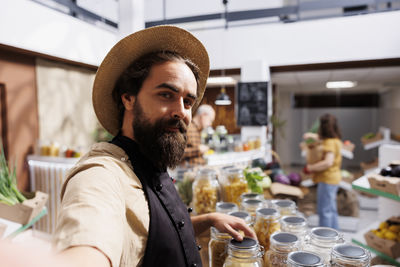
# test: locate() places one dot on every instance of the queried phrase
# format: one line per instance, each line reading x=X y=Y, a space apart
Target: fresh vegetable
x=369 y=135
x=314 y=128
x=387 y=171
x=9 y=193
x=281 y=178
x=294 y=178
x=265 y=182
x=396 y=171
x=259 y=162
x=254 y=176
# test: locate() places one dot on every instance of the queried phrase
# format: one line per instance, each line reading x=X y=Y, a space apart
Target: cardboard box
x=389 y=185
x=388 y=247
x=24 y=212
x=378 y=136
x=369 y=165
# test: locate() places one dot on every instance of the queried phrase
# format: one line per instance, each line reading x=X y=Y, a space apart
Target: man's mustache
x=180 y=124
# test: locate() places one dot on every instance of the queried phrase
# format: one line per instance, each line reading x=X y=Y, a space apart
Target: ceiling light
x=222 y=80
x=223 y=99
x=340 y=84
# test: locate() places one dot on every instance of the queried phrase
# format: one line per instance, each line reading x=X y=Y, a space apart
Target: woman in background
x=326 y=173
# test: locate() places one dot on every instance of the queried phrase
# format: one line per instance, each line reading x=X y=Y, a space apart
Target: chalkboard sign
x=252 y=104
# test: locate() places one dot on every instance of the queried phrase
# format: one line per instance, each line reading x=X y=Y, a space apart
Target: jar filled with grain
x=349 y=255
x=218 y=248
x=267 y=223
x=233 y=184
x=304 y=259
x=281 y=245
x=296 y=225
x=251 y=206
x=284 y=206
x=245 y=253
x=321 y=240
x=205 y=191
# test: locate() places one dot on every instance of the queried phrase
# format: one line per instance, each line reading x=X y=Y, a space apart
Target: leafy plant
x=9 y=193
x=254 y=177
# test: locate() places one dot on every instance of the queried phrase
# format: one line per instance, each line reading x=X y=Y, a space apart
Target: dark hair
x=131 y=80
x=328 y=127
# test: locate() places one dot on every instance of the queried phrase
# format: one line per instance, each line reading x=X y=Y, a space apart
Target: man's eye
x=188 y=102
x=166 y=95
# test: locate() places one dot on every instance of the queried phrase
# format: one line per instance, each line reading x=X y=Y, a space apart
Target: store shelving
x=387 y=153
x=238 y=157
x=385 y=140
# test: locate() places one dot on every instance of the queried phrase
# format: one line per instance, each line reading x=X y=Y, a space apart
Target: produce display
x=205 y=196
x=389 y=229
x=393 y=170
x=257 y=180
x=9 y=193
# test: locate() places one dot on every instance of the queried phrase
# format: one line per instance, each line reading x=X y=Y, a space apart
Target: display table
x=244 y=157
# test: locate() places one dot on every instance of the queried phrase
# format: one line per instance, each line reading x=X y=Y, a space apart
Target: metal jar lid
x=304 y=258
x=207 y=173
x=251 y=196
x=294 y=220
x=246 y=244
x=283 y=238
x=226 y=207
x=284 y=203
x=267 y=213
x=349 y=251
x=243 y=215
x=325 y=234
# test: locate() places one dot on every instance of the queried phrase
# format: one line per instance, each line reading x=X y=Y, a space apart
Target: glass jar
x=251 y=196
x=281 y=245
x=296 y=225
x=304 y=259
x=226 y=207
x=321 y=240
x=205 y=191
x=285 y=206
x=251 y=206
x=246 y=253
x=348 y=255
x=217 y=248
x=267 y=222
x=233 y=184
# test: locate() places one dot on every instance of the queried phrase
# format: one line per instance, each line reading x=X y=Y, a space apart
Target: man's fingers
x=235 y=234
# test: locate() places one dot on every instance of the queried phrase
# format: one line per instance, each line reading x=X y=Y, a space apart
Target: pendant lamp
x=223 y=98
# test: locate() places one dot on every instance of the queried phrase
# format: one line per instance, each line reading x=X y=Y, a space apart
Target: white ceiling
x=374 y=79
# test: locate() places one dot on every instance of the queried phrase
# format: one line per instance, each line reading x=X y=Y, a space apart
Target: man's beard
x=164 y=149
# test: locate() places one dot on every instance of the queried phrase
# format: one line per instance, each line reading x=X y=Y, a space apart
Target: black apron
x=171 y=240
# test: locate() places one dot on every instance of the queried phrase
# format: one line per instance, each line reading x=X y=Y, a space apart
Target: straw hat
x=132 y=47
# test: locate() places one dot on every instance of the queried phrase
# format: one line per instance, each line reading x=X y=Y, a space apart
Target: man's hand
x=231 y=225
x=223 y=223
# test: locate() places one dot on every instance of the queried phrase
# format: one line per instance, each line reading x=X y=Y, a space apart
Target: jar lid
x=350 y=251
x=294 y=220
x=242 y=214
x=325 y=233
x=267 y=212
x=246 y=243
x=226 y=207
x=206 y=173
x=303 y=258
x=285 y=203
x=284 y=238
x=252 y=202
x=250 y=196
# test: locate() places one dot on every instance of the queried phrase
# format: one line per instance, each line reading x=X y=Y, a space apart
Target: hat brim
x=132 y=47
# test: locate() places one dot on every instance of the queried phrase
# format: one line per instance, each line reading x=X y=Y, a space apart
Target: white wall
x=373 y=36
x=28 y=25
x=389 y=113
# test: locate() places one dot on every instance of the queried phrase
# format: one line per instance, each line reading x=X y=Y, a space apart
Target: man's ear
x=128 y=101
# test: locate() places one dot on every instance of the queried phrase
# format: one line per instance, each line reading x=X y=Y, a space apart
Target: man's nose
x=179 y=110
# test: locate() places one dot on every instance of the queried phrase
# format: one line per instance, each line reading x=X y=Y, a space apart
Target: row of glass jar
x=267 y=223
x=248 y=253
x=207 y=193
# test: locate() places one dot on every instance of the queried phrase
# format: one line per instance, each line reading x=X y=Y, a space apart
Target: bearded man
x=119 y=205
